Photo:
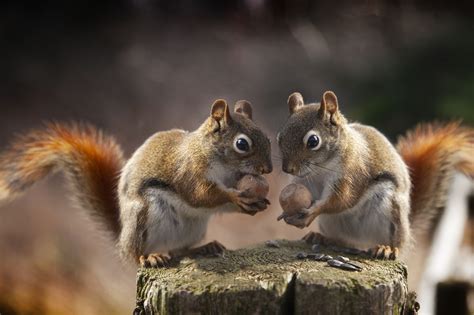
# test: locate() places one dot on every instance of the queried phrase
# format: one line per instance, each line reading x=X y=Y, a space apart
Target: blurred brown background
x=139 y=66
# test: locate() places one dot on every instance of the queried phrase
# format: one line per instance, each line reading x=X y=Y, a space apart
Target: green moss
x=257 y=279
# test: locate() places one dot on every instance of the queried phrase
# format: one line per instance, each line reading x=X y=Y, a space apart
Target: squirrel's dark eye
x=242 y=143
x=312 y=140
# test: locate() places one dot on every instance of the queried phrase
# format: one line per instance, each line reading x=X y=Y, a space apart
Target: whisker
x=310 y=178
x=322 y=167
x=306 y=178
x=311 y=168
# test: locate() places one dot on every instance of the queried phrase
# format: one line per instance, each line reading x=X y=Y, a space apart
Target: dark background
x=137 y=67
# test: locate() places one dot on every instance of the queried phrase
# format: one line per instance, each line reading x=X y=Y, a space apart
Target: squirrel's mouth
x=239 y=175
x=303 y=175
x=231 y=181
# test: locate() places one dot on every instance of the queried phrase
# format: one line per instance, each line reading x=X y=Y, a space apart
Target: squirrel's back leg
x=399 y=231
x=379 y=218
x=157 y=222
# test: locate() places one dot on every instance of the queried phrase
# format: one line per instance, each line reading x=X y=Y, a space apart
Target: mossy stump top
x=270 y=280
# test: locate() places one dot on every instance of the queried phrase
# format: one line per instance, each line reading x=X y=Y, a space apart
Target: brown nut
x=256 y=186
x=295 y=197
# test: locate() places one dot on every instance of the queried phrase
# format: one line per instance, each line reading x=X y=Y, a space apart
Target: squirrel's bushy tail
x=433 y=152
x=90 y=160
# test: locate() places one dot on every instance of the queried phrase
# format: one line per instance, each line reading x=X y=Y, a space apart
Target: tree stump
x=270 y=280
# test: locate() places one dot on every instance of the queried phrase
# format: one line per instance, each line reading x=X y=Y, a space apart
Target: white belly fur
x=178 y=229
x=365 y=225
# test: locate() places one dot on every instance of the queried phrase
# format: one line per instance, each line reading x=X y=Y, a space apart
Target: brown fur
x=356 y=161
x=186 y=172
x=433 y=152
x=359 y=170
x=194 y=167
x=177 y=179
x=174 y=168
x=350 y=188
x=91 y=161
x=352 y=167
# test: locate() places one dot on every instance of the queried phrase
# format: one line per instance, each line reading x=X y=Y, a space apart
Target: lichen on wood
x=270 y=280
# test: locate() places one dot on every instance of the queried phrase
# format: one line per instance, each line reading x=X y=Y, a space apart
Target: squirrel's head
x=309 y=140
x=238 y=143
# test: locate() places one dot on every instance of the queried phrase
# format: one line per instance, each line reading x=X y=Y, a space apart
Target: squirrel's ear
x=220 y=113
x=329 y=104
x=244 y=108
x=295 y=101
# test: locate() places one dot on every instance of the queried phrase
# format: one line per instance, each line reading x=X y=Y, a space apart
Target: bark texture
x=269 y=280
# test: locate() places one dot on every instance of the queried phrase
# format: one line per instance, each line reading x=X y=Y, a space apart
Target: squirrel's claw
x=250 y=205
x=384 y=252
x=300 y=219
x=213 y=248
x=282 y=216
x=154 y=261
x=252 y=208
x=315 y=238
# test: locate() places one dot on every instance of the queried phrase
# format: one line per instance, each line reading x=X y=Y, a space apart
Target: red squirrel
x=161 y=199
x=366 y=192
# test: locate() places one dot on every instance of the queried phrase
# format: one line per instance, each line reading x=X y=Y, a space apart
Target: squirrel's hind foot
x=384 y=252
x=213 y=248
x=316 y=238
x=154 y=260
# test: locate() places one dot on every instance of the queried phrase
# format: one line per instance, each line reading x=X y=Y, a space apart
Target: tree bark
x=270 y=280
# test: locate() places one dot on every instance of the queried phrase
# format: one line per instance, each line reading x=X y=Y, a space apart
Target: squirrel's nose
x=289 y=168
x=268 y=168
x=265 y=169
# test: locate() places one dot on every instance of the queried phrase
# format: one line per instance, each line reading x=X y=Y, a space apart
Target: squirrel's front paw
x=154 y=261
x=301 y=219
x=250 y=204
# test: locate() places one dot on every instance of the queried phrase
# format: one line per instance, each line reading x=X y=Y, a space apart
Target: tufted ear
x=244 y=108
x=220 y=114
x=295 y=101
x=330 y=105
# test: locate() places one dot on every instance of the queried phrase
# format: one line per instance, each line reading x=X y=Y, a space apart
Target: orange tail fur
x=433 y=152
x=91 y=162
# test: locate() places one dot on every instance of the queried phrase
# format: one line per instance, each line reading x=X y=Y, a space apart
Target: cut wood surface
x=271 y=280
